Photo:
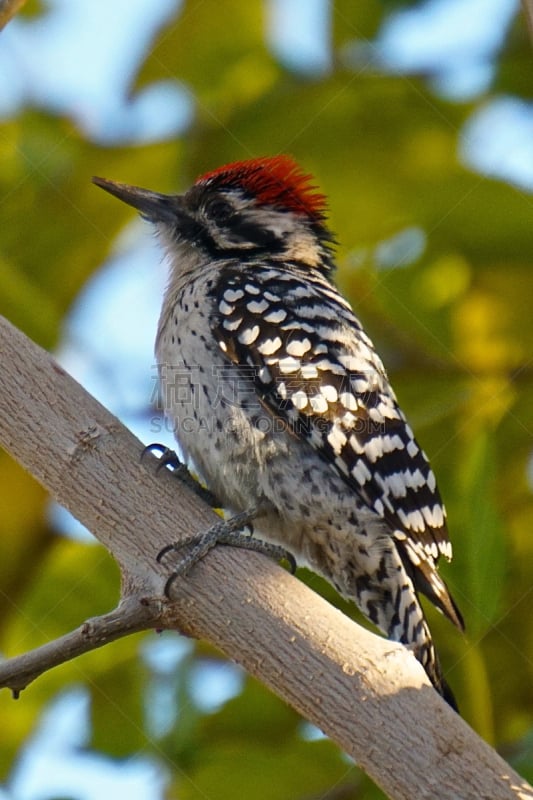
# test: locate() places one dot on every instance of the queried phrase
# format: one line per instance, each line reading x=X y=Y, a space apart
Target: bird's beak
x=153 y=206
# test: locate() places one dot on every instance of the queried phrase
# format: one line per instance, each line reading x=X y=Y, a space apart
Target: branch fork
x=369 y=695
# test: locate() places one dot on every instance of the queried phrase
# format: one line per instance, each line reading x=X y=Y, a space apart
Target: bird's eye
x=220 y=210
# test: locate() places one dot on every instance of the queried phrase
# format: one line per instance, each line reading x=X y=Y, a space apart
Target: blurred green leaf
x=255 y=737
x=482 y=550
x=265 y=772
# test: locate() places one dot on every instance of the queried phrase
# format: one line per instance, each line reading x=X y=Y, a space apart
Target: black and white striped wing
x=313 y=366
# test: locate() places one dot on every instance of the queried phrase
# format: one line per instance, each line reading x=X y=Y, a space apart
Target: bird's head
x=256 y=209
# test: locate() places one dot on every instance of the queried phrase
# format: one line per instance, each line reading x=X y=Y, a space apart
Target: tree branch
x=8 y=9
x=369 y=695
x=16 y=673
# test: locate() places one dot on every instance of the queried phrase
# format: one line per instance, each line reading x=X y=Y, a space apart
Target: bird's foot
x=169 y=458
x=226 y=532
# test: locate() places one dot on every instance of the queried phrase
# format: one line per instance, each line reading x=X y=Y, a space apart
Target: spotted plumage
x=315 y=368
x=280 y=400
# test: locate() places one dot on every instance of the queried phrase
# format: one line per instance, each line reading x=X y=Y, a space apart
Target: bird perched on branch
x=280 y=401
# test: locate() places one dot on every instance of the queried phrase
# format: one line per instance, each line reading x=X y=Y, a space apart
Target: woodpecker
x=280 y=401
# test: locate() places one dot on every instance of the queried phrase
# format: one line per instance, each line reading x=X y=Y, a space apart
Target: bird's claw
x=169 y=458
x=227 y=532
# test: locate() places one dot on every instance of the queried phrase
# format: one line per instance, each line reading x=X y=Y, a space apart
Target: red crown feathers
x=273 y=180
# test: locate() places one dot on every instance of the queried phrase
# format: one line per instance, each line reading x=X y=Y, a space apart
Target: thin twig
x=130 y=616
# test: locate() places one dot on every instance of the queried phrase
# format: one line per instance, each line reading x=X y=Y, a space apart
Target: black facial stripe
x=256 y=241
x=190 y=230
x=262 y=237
